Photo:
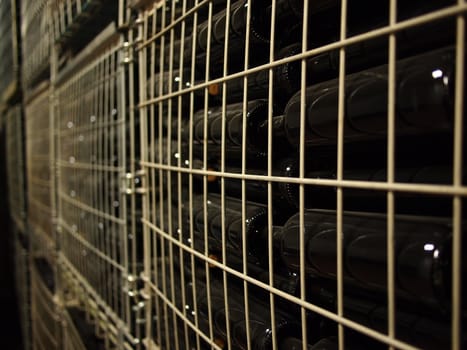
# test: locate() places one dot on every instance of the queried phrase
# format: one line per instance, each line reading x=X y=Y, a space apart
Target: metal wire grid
x=23 y=290
x=171 y=322
x=77 y=294
x=46 y=329
x=39 y=162
x=8 y=47
x=124 y=14
x=68 y=13
x=92 y=204
x=71 y=338
x=15 y=166
x=35 y=39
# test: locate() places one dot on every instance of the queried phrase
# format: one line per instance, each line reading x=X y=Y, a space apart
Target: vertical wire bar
x=269 y=174
x=302 y=172
x=457 y=181
x=153 y=157
x=115 y=178
x=205 y=166
x=148 y=206
x=223 y=234
x=131 y=155
x=179 y=176
x=160 y=177
x=114 y=111
x=96 y=201
x=169 y=176
x=391 y=170
x=190 y=175
x=106 y=157
x=340 y=170
x=93 y=197
x=121 y=10
x=88 y=173
x=161 y=173
x=100 y=161
x=107 y=140
x=244 y=136
x=123 y=165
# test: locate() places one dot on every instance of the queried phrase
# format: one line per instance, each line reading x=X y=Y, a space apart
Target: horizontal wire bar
x=39 y=182
x=90 y=209
x=90 y=166
x=65 y=132
x=442 y=190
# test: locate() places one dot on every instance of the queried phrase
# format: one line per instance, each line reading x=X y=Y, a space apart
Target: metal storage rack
x=17 y=205
x=39 y=164
x=177 y=225
x=68 y=15
x=91 y=132
x=46 y=328
x=45 y=322
x=35 y=41
x=15 y=167
x=250 y=174
x=9 y=50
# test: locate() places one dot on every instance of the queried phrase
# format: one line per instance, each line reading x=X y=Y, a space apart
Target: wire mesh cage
x=39 y=164
x=46 y=330
x=15 y=166
x=304 y=179
x=87 y=324
x=79 y=329
x=9 y=66
x=36 y=36
x=96 y=239
x=68 y=15
x=75 y=23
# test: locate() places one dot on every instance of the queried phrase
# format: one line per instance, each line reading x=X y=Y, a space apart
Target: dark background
x=10 y=332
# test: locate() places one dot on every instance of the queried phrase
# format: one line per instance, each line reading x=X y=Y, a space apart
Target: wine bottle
x=422 y=258
x=259 y=317
x=286 y=80
x=255 y=222
x=177 y=55
x=285 y=195
x=177 y=77
x=354 y=199
x=256 y=138
x=330 y=343
x=424 y=102
x=256 y=268
x=420 y=331
x=236 y=48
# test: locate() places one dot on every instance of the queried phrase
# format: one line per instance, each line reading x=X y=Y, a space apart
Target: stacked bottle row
x=422 y=272
x=424 y=111
x=323 y=28
x=172 y=63
x=223 y=146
